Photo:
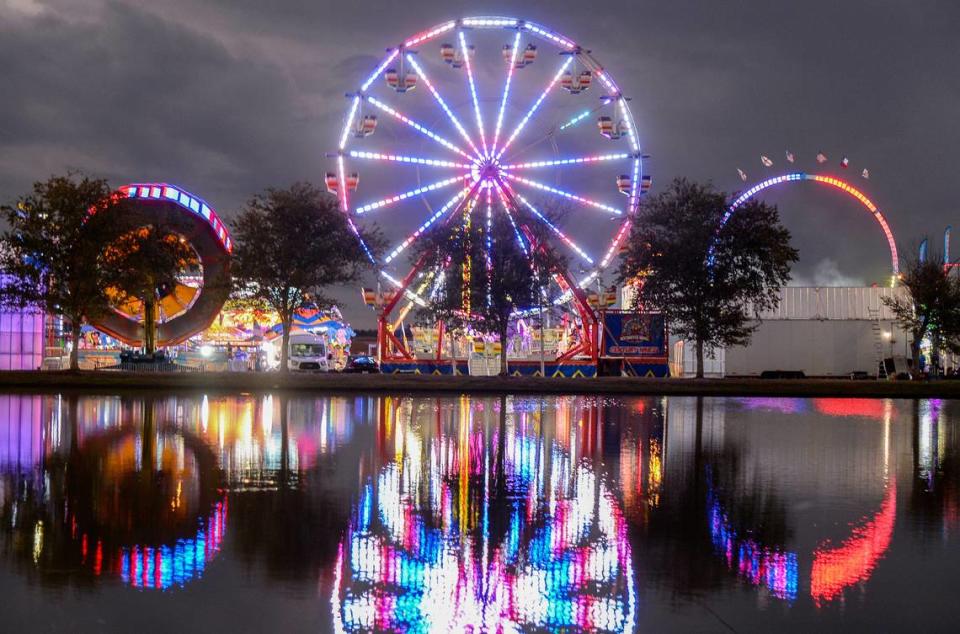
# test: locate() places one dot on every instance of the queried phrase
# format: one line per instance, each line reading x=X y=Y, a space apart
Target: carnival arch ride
x=484 y=116
x=197 y=299
x=830 y=181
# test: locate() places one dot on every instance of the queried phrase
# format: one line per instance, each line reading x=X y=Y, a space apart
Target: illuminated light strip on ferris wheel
x=627 y=119
x=343 y=184
x=382 y=67
x=490 y=22
x=426 y=225
x=346 y=129
x=560 y=192
x=418 y=127
x=615 y=245
x=350 y=222
x=560 y=234
x=363 y=243
x=432 y=33
x=473 y=90
x=398 y=158
x=386 y=202
x=595 y=158
x=513 y=223
x=407 y=292
x=534 y=107
x=550 y=35
x=506 y=92
x=356 y=98
x=443 y=104
x=826 y=180
x=635 y=179
x=577 y=119
x=489 y=247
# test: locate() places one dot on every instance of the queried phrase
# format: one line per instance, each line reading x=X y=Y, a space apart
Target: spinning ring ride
x=195 y=302
x=830 y=181
x=490 y=115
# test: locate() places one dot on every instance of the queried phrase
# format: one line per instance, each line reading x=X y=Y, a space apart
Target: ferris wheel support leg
x=384 y=331
x=589 y=344
x=441 y=330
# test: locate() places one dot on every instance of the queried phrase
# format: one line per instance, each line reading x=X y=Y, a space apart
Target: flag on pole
x=743 y=175
x=866 y=173
x=766 y=162
x=790 y=156
x=844 y=162
x=821 y=157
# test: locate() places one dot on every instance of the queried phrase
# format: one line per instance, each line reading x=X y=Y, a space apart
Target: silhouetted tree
x=485 y=276
x=143 y=265
x=710 y=283
x=930 y=305
x=290 y=246
x=50 y=252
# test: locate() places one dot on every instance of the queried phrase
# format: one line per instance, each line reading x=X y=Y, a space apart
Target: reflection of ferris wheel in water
x=439 y=112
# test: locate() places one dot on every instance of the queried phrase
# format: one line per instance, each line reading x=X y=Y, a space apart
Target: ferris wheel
x=486 y=116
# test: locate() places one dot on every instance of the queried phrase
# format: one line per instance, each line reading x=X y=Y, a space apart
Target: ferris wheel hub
x=487 y=170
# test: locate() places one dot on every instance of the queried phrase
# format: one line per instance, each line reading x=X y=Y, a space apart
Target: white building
x=818 y=331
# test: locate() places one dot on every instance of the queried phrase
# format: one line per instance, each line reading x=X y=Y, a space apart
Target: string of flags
x=821 y=159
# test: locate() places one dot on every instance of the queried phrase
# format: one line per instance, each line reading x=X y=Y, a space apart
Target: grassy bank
x=105 y=382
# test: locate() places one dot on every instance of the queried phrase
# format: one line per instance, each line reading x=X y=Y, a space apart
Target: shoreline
x=99 y=381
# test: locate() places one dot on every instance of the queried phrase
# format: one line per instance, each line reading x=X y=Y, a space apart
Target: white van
x=307 y=353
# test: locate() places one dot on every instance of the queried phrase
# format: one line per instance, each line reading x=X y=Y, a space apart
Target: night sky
x=227 y=97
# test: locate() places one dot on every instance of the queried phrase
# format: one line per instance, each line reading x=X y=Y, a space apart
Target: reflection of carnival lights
x=760 y=565
x=853 y=561
x=163 y=567
x=418 y=553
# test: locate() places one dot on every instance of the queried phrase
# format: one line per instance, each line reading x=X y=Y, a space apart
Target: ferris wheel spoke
x=564 y=194
x=443 y=104
x=580 y=116
x=533 y=109
x=411 y=295
x=386 y=202
x=577 y=160
x=513 y=222
x=617 y=241
x=429 y=222
x=422 y=129
x=488 y=247
x=506 y=92
x=556 y=230
x=363 y=243
x=556 y=130
x=413 y=160
x=473 y=90
x=519 y=236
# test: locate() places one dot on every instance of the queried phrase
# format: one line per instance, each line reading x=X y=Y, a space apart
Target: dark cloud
x=228 y=97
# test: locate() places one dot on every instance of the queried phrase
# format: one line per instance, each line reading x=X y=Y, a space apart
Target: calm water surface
x=279 y=513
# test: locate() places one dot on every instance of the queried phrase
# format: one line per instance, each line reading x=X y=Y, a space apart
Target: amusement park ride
x=829 y=181
x=491 y=163
x=194 y=303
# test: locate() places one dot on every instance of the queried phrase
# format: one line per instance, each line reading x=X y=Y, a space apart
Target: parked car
x=362 y=364
x=307 y=352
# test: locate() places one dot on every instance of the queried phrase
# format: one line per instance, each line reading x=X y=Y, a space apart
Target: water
x=292 y=513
